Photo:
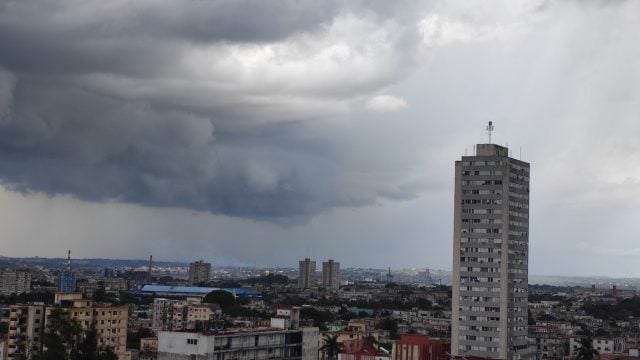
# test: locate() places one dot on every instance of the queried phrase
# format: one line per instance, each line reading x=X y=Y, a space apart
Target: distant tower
x=306 y=273
x=331 y=275
x=490 y=255
x=149 y=271
x=199 y=272
x=67 y=279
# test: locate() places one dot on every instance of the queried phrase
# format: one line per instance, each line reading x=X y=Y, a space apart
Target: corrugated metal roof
x=195 y=290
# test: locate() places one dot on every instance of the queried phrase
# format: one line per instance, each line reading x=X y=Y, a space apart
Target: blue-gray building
x=67 y=278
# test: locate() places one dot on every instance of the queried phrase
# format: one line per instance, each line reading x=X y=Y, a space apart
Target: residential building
x=331 y=275
x=490 y=255
x=608 y=345
x=307 y=274
x=287 y=317
x=199 y=272
x=25 y=330
x=14 y=282
x=420 y=347
x=27 y=324
x=177 y=315
x=261 y=343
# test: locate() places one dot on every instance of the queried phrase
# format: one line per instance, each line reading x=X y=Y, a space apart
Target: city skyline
x=250 y=141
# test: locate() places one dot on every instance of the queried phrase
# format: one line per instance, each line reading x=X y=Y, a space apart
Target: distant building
x=490 y=255
x=287 y=317
x=14 y=282
x=259 y=343
x=67 y=278
x=178 y=315
x=199 y=272
x=331 y=275
x=307 y=274
x=193 y=291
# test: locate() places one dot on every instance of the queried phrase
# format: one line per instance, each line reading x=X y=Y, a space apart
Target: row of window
x=482 y=221
x=481 y=231
x=482 y=211
x=481 y=182
x=482 y=163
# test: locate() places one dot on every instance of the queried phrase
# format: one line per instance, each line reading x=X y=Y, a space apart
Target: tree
x=586 y=350
x=390 y=325
x=331 y=347
x=223 y=298
x=106 y=353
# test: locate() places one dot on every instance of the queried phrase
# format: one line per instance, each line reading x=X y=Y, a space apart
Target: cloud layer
x=199 y=106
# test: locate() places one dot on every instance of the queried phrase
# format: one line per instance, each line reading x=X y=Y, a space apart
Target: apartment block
x=14 y=282
x=306 y=274
x=331 y=275
x=490 y=255
x=177 y=315
x=199 y=272
x=27 y=324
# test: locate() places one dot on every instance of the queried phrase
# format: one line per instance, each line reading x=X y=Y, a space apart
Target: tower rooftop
x=491 y=150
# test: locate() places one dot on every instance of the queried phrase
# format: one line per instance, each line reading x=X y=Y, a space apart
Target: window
x=192 y=341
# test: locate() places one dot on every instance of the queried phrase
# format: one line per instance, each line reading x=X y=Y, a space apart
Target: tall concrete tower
x=307 y=274
x=331 y=275
x=490 y=255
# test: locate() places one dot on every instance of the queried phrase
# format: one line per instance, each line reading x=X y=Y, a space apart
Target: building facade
x=420 y=347
x=27 y=324
x=331 y=275
x=14 y=282
x=490 y=255
x=199 y=272
x=177 y=315
x=307 y=274
x=239 y=345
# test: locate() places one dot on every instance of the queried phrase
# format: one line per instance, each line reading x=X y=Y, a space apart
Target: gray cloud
x=199 y=105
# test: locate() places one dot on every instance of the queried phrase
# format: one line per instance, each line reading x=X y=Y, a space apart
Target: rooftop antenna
x=149 y=270
x=69 y=260
x=489 y=130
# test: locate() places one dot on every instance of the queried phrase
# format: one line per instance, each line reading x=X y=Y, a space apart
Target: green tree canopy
x=223 y=298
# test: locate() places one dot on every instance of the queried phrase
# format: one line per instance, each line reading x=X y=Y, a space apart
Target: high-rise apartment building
x=331 y=275
x=14 y=282
x=307 y=274
x=490 y=255
x=199 y=272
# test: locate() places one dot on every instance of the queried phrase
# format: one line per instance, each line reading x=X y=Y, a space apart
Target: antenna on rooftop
x=490 y=129
x=69 y=260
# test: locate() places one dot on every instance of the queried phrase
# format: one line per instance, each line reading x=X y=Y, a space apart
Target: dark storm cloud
x=200 y=105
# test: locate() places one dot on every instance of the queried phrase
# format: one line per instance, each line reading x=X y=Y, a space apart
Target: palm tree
x=586 y=350
x=331 y=347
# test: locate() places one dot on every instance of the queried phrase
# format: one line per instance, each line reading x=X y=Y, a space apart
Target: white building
x=490 y=255
x=260 y=343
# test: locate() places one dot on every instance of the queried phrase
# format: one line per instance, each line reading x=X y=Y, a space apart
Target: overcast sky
x=250 y=131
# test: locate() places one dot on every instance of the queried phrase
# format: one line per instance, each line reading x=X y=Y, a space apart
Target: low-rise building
x=263 y=343
x=176 y=315
x=27 y=324
x=420 y=347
